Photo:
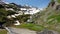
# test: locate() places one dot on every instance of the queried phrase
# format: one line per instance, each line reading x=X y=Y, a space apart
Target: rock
x=58 y=7
x=47 y=32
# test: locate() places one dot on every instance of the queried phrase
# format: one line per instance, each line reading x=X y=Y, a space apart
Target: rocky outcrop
x=54 y=4
x=58 y=7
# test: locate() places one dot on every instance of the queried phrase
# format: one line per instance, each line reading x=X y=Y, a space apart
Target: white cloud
x=5 y=2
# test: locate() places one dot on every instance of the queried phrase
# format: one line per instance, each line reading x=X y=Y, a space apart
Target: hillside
x=49 y=18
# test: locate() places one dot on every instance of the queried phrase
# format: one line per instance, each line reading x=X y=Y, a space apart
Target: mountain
x=14 y=13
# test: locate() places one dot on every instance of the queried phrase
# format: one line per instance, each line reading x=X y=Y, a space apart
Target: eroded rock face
x=58 y=7
x=54 y=5
x=51 y=4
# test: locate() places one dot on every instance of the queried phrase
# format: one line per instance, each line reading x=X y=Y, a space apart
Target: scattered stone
x=46 y=31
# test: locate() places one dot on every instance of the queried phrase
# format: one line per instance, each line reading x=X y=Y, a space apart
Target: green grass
x=58 y=18
x=52 y=16
x=31 y=27
x=3 y=32
x=58 y=1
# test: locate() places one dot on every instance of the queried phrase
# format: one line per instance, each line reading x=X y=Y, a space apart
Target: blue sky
x=36 y=3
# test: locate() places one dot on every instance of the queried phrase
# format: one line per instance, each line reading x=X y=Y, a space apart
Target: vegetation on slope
x=3 y=32
x=58 y=1
x=49 y=18
x=31 y=26
x=4 y=14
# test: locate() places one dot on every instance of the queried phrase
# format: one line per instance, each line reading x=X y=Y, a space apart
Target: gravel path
x=27 y=31
x=21 y=31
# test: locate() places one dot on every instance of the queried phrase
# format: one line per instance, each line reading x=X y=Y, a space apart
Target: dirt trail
x=21 y=31
x=27 y=31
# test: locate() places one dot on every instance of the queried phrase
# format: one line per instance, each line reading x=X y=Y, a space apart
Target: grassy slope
x=3 y=32
x=58 y=1
x=50 y=18
x=31 y=26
